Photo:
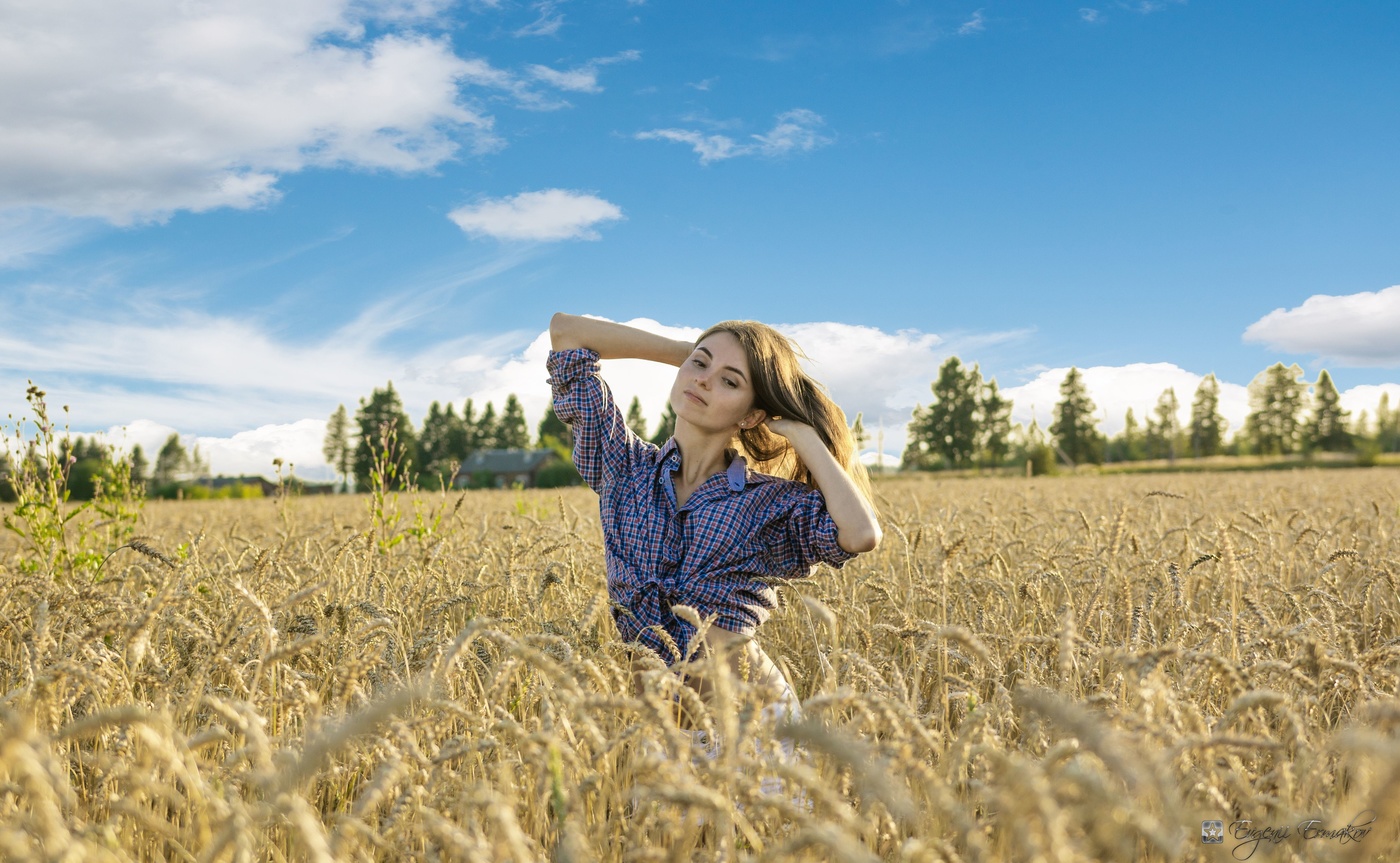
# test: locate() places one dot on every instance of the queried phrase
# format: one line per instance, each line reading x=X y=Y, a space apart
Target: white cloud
x=547 y=215
x=582 y=79
x=1115 y=389
x=132 y=110
x=1092 y=16
x=1367 y=397
x=975 y=24
x=547 y=22
x=31 y=233
x=793 y=131
x=1354 y=329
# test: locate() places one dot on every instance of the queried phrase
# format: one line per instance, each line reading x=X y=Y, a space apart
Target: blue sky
x=224 y=219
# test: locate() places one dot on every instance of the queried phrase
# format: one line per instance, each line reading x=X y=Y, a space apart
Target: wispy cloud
x=795 y=131
x=1092 y=16
x=1354 y=329
x=580 y=79
x=544 y=216
x=974 y=25
x=548 y=20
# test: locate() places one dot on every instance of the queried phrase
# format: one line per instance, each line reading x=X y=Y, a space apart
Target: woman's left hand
x=785 y=427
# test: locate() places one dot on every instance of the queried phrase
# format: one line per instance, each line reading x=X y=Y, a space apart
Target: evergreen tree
x=666 y=427
x=1128 y=446
x=1075 y=429
x=382 y=420
x=487 y=429
x=950 y=425
x=336 y=447
x=994 y=419
x=553 y=427
x=1387 y=425
x=635 y=421
x=1163 y=427
x=171 y=462
x=1207 y=425
x=439 y=444
x=1327 y=426
x=1273 y=426
x=859 y=436
x=512 y=432
x=138 y=468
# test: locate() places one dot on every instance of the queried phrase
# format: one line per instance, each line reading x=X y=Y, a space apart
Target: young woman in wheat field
x=693 y=522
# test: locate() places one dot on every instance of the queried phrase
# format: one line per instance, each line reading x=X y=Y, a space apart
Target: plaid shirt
x=735 y=529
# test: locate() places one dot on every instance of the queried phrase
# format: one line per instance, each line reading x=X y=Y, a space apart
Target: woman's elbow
x=560 y=332
x=861 y=541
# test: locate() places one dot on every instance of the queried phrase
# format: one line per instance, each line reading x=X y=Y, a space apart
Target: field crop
x=1058 y=669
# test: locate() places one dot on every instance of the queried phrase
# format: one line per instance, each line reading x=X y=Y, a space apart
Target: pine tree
x=1273 y=426
x=1075 y=429
x=666 y=427
x=1207 y=425
x=1128 y=445
x=553 y=427
x=487 y=429
x=376 y=417
x=859 y=436
x=512 y=432
x=138 y=468
x=1327 y=426
x=635 y=421
x=951 y=420
x=440 y=443
x=994 y=419
x=171 y=462
x=336 y=446
x=1387 y=425
x=1163 y=427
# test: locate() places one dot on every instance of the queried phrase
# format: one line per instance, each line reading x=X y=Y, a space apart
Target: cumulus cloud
x=1354 y=329
x=545 y=216
x=1115 y=389
x=795 y=131
x=132 y=111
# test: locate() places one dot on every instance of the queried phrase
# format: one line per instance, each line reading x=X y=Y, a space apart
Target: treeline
x=968 y=424
x=85 y=463
x=380 y=433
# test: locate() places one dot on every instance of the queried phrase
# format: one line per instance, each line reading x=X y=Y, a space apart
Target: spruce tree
x=1163 y=427
x=553 y=427
x=336 y=446
x=1327 y=425
x=1207 y=425
x=952 y=417
x=380 y=419
x=994 y=421
x=512 y=432
x=1128 y=445
x=1273 y=426
x=487 y=429
x=635 y=421
x=1075 y=429
x=666 y=427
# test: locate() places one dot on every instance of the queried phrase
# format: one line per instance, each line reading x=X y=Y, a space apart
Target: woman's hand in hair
x=857 y=525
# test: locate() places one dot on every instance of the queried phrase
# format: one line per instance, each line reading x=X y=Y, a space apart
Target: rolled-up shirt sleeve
x=604 y=446
x=809 y=534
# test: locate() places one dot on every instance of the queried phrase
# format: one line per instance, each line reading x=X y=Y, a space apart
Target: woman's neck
x=703 y=454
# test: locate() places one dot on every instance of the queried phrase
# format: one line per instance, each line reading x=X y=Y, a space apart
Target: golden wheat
x=1082 y=668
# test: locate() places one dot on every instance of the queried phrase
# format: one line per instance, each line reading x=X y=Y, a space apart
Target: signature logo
x=1250 y=835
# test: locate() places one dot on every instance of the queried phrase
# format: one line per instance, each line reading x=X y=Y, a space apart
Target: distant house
x=503 y=468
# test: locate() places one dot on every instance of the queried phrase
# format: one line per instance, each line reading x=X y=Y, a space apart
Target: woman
x=691 y=522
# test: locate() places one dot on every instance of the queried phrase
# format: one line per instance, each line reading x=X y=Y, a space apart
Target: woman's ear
x=753 y=418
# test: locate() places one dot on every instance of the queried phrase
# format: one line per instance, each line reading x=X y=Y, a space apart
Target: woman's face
x=713 y=390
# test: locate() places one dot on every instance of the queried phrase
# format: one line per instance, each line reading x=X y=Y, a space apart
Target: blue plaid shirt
x=736 y=529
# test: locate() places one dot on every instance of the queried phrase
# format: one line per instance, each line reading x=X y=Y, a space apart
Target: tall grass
x=1060 y=670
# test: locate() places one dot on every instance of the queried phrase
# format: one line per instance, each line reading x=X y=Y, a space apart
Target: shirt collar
x=737 y=472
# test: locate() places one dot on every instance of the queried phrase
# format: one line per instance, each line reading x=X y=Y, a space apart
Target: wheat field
x=1058 y=669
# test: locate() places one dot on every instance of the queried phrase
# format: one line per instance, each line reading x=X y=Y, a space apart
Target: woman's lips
x=693 y=397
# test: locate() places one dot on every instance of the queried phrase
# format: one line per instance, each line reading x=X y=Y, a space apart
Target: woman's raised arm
x=615 y=341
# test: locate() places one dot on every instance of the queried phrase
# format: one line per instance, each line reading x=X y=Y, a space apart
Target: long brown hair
x=783 y=389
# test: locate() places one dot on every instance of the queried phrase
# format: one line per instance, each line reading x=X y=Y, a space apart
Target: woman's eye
x=730 y=382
